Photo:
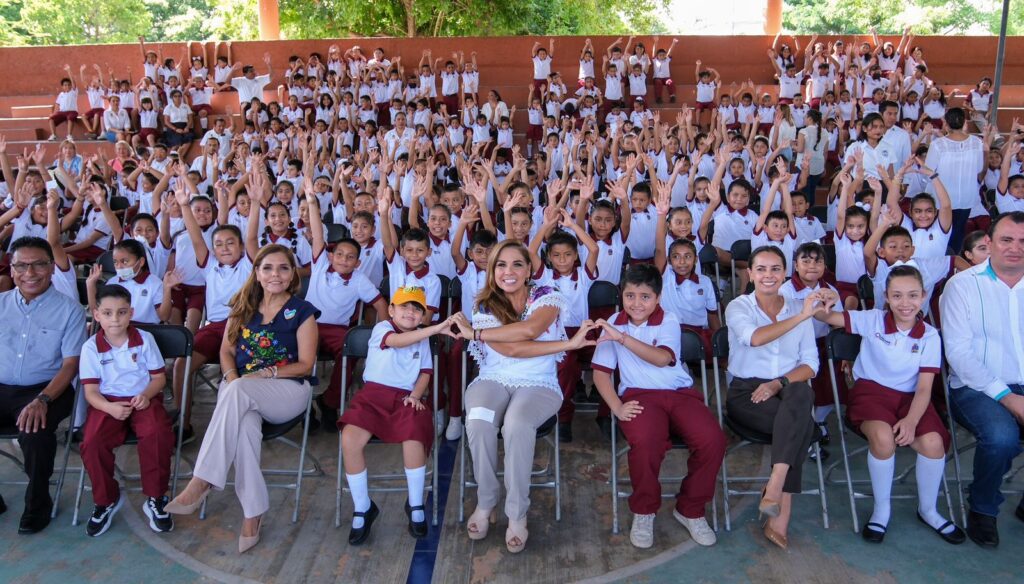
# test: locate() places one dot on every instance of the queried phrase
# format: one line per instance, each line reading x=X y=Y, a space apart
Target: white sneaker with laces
x=641 y=535
x=454 y=431
x=699 y=529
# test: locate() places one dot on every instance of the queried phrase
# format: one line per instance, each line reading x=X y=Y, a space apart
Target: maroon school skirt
x=869 y=401
x=378 y=409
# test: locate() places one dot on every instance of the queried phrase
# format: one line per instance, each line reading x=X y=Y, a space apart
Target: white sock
x=204 y=123
x=416 y=478
x=822 y=412
x=529 y=149
x=929 y=478
x=360 y=495
x=881 y=472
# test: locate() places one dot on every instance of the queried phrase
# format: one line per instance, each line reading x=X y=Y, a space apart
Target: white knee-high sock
x=360 y=495
x=822 y=412
x=929 y=477
x=881 y=472
x=416 y=478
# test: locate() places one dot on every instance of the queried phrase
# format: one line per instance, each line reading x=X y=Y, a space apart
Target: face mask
x=126 y=273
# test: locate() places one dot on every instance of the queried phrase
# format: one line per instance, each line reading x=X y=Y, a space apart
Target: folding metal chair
x=11 y=434
x=336 y=232
x=819 y=212
x=174 y=342
x=843 y=346
x=547 y=432
x=691 y=350
x=748 y=436
x=278 y=432
x=866 y=292
x=708 y=259
x=356 y=347
x=740 y=252
x=106 y=263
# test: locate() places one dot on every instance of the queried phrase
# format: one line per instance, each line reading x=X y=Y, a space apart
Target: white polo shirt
x=706 y=92
x=371 y=262
x=120 y=371
x=185 y=255
x=400 y=276
x=849 y=258
x=336 y=295
x=789 y=86
x=575 y=287
x=67 y=101
x=891 y=357
x=688 y=299
x=732 y=226
x=221 y=284
x=933 y=270
x=642 y=227
x=929 y=242
x=611 y=252
x=795 y=290
x=787 y=245
x=440 y=259
x=797 y=347
x=392 y=366
x=250 y=88
x=808 y=229
x=472 y=280
x=983 y=328
x=541 y=68
x=661 y=330
x=147 y=294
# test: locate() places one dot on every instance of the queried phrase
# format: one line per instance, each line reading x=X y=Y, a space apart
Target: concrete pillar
x=773 y=17
x=269 y=20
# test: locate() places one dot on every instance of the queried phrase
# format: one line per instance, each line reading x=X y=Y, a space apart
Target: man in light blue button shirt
x=40 y=340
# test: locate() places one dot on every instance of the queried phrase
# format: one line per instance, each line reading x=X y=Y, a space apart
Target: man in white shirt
x=249 y=85
x=983 y=330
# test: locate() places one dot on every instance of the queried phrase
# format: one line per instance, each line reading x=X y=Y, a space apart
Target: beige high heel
x=768 y=507
x=480 y=522
x=516 y=532
x=246 y=542
x=775 y=537
x=178 y=508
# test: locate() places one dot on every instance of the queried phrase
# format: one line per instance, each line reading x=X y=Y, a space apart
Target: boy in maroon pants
x=655 y=399
x=123 y=374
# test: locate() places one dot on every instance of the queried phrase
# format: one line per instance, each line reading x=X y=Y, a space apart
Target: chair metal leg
x=462 y=447
x=558 y=477
x=337 y=493
x=721 y=422
x=842 y=444
x=302 y=458
x=185 y=396
x=433 y=451
x=78 y=495
x=958 y=477
x=64 y=467
x=615 y=477
x=821 y=485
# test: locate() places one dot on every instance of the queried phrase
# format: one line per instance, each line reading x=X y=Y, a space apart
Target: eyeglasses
x=21 y=267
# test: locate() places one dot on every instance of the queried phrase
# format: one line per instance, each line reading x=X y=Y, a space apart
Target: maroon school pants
x=332 y=339
x=102 y=434
x=682 y=413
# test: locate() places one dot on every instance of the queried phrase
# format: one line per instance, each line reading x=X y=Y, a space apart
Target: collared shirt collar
x=420 y=273
x=742 y=211
x=916 y=332
x=437 y=240
x=139 y=278
x=654 y=319
x=23 y=302
x=799 y=284
x=693 y=277
x=103 y=345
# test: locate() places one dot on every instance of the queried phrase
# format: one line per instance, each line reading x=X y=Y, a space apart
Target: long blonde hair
x=491 y=297
x=246 y=302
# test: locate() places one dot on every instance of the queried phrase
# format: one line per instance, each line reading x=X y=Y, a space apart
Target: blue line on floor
x=421 y=570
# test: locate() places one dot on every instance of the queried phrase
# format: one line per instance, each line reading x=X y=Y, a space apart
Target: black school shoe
x=102 y=516
x=36 y=519
x=3 y=506
x=876 y=535
x=955 y=537
x=159 y=520
x=982 y=529
x=417 y=529
x=358 y=535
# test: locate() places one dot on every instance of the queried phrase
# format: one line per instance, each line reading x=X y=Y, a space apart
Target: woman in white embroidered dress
x=517 y=339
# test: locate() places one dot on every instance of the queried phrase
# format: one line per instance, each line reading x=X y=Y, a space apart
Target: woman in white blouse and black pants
x=772 y=355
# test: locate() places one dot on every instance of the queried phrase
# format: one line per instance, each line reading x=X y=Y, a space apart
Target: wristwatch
x=44 y=398
x=783 y=380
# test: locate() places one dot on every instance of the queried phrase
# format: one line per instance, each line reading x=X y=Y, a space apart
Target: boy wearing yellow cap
x=390 y=406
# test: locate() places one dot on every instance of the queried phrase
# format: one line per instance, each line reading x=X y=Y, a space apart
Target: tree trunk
x=410 y=18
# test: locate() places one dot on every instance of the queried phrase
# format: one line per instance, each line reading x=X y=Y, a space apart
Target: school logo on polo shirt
x=416 y=355
x=700 y=291
x=915 y=349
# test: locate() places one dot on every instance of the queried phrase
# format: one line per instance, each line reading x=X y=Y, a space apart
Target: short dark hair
x=348 y=241
x=113 y=291
x=903 y=271
x=133 y=247
x=779 y=215
x=483 y=238
x=1013 y=216
x=894 y=231
x=682 y=243
x=29 y=242
x=810 y=249
x=415 y=234
x=643 y=275
x=955 y=118
x=855 y=211
x=886 y=105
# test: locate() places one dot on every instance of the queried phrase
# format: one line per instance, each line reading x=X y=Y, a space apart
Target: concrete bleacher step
x=30 y=111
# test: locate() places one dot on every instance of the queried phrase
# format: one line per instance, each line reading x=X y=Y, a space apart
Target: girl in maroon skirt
x=890 y=403
x=390 y=406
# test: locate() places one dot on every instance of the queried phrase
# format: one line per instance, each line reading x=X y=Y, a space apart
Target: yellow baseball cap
x=408 y=294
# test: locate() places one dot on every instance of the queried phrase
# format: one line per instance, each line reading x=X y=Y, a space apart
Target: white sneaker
x=454 y=431
x=641 y=535
x=699 y=529
x=52 y=138
x=438 y=421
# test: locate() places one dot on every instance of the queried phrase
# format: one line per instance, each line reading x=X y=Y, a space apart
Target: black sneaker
x=102 y=515
x=159 y=520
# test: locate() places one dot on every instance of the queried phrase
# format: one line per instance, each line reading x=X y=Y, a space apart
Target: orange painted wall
x=504 y=61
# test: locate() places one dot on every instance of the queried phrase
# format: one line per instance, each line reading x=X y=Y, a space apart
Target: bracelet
x=273 y=372
x=224 y=377
x=933 y=176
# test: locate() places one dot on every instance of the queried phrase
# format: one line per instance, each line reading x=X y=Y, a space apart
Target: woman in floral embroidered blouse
x=517 y=338
x=267 y=356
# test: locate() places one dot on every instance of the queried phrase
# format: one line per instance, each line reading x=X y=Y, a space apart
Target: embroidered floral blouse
x=275 y=344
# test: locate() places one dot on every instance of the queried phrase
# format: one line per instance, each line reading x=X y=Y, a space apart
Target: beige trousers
x=518 y=412
x=235 y=435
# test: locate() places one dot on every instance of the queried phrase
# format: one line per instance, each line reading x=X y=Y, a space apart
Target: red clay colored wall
x=504 y=62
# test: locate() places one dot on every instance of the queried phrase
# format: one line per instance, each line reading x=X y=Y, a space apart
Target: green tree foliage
x=928 y=17
x=64 y=22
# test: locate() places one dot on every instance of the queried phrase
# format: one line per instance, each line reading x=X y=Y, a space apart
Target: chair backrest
x=303 y=286
x=819 y=212
x=830 y=257
x=866 y=288
x=106 y=262
x=385 y=289
x=173 y=340
x=455 y=291
x=83 y=292
x=708 y=255
x=357 y=342
x=842 y=346
x=336 y=232
x=446 y=286
x=720 y=343
x=691 y=347
x=119 y=203
x=740 y=250
x=603 y=295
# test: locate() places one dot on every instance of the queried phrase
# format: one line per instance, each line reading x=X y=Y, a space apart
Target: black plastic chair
x=819 y=212
x=748 y=436
x=357 y=343
x=740 y=252
x=830 y=257
x=603 y=294
x=866 y=292
x=691 y=350
x=106 y=263
x=336 y=232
